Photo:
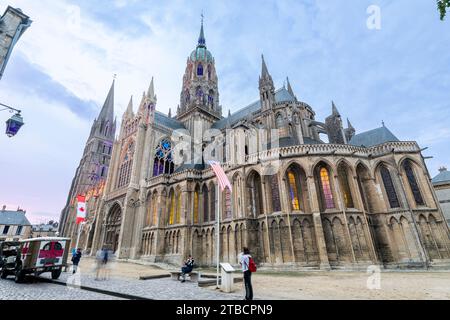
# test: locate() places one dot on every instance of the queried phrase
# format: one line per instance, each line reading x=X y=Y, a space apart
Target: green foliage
x=442 y=6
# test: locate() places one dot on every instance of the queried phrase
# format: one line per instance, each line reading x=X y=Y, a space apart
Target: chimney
x=4 y=208
x=442 y=169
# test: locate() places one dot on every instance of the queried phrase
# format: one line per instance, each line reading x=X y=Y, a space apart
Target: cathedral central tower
x=200 y=92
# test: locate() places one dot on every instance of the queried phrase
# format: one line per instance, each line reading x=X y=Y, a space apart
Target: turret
x=266 y=87
x=334 y=127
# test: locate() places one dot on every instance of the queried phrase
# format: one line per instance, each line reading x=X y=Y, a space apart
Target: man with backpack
x=248 y=267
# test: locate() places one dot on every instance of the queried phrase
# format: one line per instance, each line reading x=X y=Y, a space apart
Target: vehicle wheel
x=19 y=276
x=4 y=274
x=56 y=274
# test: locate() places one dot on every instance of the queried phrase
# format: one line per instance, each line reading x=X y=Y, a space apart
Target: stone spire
x=129 y=112
x=289 y=88
x=266 y=87
x=151 y=90
x=335 y=110
x=264 y=71
x=350 y=131
x=201 y=38
x=107 y=112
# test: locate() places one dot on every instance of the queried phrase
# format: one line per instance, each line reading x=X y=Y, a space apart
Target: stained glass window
x=200 y=70
x=155 y=211
x=413 y=183
x=172 y=208
x=345 y=186
x=228 y=214
x=213 y=203
x=163 y=162
x=196 y=198
x=389 y=187
x=293 y=191
x=178 y=219
x=126 y=166
x=276 y=203
x=205 y=204
x=326 y=188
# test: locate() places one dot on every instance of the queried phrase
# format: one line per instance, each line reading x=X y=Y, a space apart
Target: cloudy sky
x=62 y=68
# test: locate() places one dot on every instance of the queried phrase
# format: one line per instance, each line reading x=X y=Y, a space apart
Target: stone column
x=318 y=229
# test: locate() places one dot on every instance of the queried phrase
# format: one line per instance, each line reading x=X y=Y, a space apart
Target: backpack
x=252 y=265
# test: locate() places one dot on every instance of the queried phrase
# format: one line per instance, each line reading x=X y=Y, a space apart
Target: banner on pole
x=224 y=182
x=81 y=209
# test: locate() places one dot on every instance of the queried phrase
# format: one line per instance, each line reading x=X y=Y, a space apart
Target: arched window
x=407 y=166
x=345 y=186
x=187 y=96
x=326 y=194
x=178 y=218
x=212 y=200
x=126 y=165
x=199 y=92
x=227 y=213
x=211 y=98
x=280 y=121
x=209 y=72
x=296 y=186
x=205 y=204
x=200 y=70
x=389 y=187
x=155 y=210
x=172 y=208
x=196 y=204
x=163 y=163
x=255 y=195
x=275 y=193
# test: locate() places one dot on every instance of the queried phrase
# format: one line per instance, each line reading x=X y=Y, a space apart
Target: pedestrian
x=188 y=267
x=248 y=265
x=99 y=266
x=105 y=260
x=76 y=260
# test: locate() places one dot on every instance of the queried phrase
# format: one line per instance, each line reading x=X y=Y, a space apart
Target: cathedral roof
x=281 y=95
x=162 y=119
x=374 y=137
x=442 y=178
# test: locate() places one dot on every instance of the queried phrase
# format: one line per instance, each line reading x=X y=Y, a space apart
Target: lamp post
x=13 y=124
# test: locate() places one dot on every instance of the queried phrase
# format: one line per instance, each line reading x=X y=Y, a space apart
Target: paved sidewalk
x=157 y=289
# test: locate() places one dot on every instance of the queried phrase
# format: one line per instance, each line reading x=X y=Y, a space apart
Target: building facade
x=14 y=225
x=94 y=165
x=13 y=24
x=297 y=201
x=441 y=184
x=45 y=230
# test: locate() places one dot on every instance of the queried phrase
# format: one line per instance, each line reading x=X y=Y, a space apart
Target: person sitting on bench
x=188 y=267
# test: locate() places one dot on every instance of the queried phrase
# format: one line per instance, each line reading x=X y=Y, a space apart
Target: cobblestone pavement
x=32 y=290
x=157 y=289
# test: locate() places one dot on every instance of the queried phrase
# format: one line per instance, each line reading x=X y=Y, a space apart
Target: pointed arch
x=408 y=167
x=344 y=172
x=323 y=177
x=255 y=195
x=296 y=184
x=196 y=205
x=172 y=205
x=212 y=200
x=163 y=159
x=205 y=195
x=389 y=186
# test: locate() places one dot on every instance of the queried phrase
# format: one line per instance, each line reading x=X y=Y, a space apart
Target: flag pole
x=78 y=237
x=218 y=233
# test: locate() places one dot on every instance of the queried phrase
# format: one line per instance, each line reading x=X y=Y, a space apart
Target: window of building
x=200 y=70
x=227 y=202
x=178 y=218
x=345 y=186
x=326 y=193
x=212 y=196
x=19 y=230
x=389 y=187
x=407 y=166
x=196 y=205
x=276 y=202
x=163 y=162
x=5 y=230
x=205 y=204
x=172 y=208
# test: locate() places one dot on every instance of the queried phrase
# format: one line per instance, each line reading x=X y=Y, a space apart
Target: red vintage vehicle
x=37 y=256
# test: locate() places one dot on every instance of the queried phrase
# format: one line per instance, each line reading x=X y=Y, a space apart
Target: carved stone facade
x=298 y=203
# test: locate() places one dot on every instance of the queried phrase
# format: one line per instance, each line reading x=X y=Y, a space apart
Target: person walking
x=247 y=263
x=76 y=260
x=188 y=267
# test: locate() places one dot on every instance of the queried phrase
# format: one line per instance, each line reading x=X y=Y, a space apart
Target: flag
x=221 y=176
x=81 y=211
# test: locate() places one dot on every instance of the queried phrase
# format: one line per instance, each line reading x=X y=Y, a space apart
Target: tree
x=442 y=6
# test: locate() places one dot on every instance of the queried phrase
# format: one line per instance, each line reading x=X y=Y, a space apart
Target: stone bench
x=194 y=276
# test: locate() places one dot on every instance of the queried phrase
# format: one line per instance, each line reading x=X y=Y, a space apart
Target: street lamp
x=13 y=124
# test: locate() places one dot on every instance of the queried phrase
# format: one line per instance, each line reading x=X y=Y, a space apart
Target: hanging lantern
x=13 y=125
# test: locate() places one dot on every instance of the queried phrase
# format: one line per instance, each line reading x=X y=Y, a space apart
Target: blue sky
x=61 y=70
